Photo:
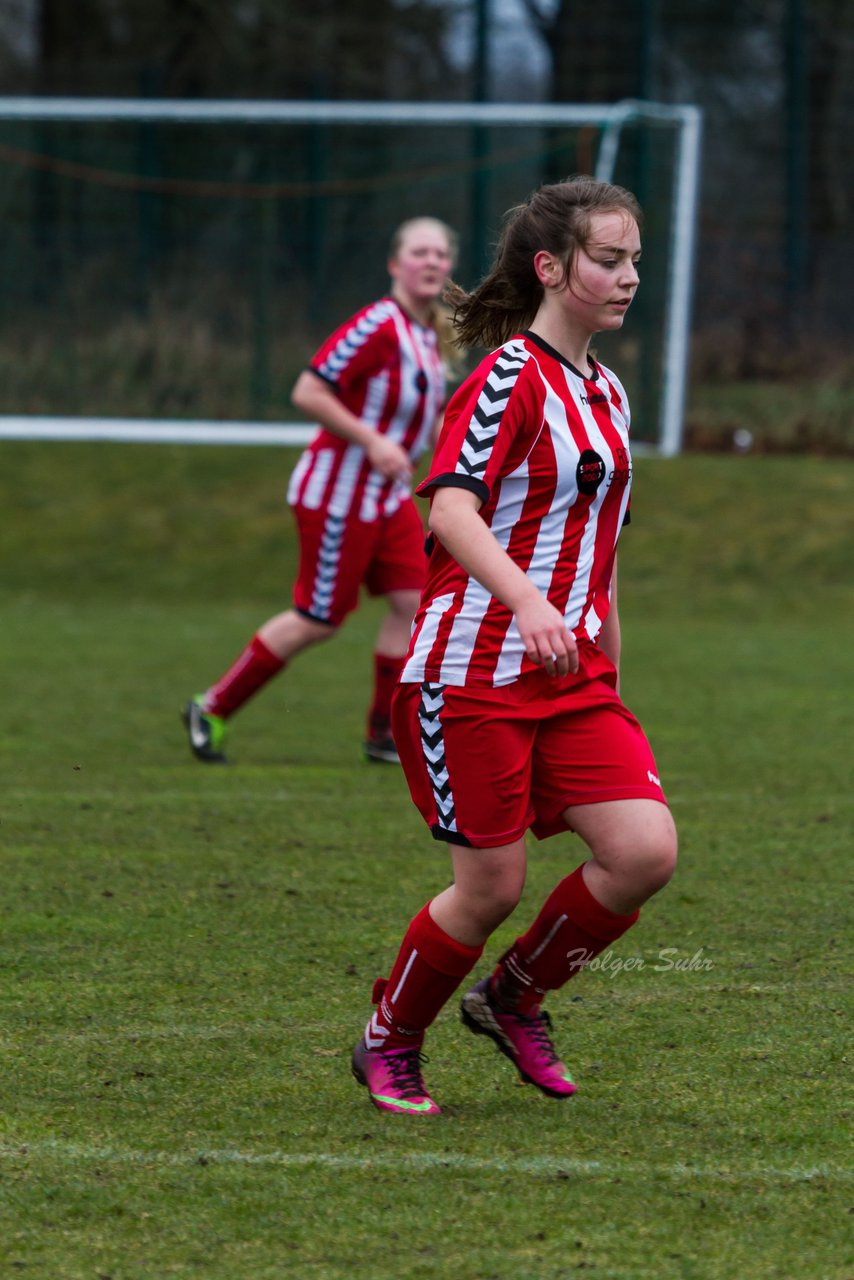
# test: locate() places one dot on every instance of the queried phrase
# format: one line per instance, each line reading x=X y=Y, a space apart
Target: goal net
x=169 y=266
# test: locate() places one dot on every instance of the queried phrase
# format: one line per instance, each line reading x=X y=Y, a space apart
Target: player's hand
x=389 y=458
x=547 y=641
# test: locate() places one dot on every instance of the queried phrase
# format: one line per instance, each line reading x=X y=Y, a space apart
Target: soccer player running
x=376 y=387
x=509 y=714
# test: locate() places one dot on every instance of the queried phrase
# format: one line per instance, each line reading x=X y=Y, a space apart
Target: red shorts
x=339 y=554
x=483 y=765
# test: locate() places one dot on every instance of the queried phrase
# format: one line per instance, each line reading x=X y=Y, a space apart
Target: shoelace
x=405 y=1069
x=538 y=1028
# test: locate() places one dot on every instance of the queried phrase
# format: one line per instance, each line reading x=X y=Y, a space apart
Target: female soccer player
x=509 y=715
x=376 y=387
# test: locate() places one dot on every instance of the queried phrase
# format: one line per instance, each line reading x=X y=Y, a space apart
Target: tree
x=593 y=48
x=257 y=48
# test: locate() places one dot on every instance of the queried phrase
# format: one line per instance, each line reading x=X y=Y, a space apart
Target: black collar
x=592 y=376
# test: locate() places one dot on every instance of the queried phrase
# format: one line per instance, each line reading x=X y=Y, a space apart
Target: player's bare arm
x=318 y=400
x=455 y=520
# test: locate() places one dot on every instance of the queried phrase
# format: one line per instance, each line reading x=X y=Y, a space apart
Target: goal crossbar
x=250 y=111
x=611 y=118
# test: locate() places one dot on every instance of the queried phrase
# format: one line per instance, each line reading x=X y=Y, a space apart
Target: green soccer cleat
x=206 y=732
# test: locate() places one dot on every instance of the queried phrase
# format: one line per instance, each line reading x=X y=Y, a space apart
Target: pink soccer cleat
x=393 y=1080
x=525 y=1040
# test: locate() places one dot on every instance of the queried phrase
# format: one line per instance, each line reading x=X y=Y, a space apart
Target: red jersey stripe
x=387 y=369
x=546 y=448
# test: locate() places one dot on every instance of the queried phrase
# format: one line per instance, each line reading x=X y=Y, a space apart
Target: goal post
x=139 y=235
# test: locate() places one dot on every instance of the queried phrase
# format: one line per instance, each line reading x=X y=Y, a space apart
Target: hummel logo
x=375 y=1035
x=652 y=777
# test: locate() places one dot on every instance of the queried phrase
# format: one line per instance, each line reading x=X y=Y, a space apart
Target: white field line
x=421 y=1162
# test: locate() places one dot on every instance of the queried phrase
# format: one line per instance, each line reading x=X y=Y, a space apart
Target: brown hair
x=556 y=218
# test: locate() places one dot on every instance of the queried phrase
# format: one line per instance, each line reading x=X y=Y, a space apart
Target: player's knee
x=504 y=903
x=659 y=869
x=654 y=861
x=403 y=604
x=312 y=632
x=495 y=902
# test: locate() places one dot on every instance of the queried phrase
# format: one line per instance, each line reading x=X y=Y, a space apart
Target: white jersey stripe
x=298 y=475
x=581 y=585
x=426 y=356
x=549 y=444
x=510 y=658
x=386 y=369
x=427 y=633
x=346 y=481
x=408 y=397
x=375 y=399
x=369 y=508
x=315 y=490
x=544 y=559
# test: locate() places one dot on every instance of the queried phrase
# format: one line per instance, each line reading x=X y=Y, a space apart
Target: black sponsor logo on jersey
x=622 y=473
x=421 y=383
x=595 y=397
x=590 y=472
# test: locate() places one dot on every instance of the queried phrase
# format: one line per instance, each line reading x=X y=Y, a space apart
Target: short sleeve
x=361 y=348
x=495 y=408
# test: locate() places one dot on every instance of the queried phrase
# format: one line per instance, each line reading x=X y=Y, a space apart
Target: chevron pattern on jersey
x=327 y=567
x=488 y=411
x=355 y=338
x=433 y=750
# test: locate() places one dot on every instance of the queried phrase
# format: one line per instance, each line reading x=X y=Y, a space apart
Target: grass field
x=186 y=953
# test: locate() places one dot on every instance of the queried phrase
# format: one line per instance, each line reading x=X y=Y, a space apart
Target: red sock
x=386 y=673
x=570 y=930
x=429 y=967
x=255 y=666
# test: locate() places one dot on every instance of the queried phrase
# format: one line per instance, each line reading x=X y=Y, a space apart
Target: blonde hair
x=438 y=225
x=441 y=319
x=556 y=218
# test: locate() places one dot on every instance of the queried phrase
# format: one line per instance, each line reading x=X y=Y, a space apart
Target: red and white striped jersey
x=547 y=449
x=387 y=370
